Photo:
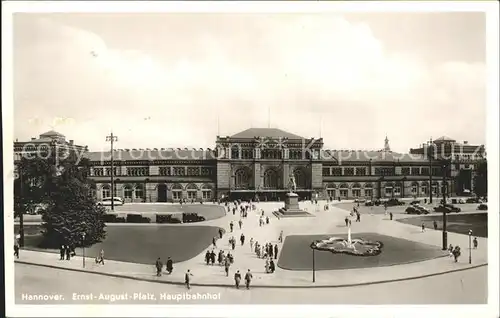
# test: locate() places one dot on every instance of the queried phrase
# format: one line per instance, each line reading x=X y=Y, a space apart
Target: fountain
x=349 y=239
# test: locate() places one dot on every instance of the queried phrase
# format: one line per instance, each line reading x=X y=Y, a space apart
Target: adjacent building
x=259 y=163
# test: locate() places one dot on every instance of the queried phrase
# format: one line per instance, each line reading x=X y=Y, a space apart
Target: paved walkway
x=324 y=222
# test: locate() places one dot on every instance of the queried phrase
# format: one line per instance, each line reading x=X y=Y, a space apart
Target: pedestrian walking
x=100 y=258
x=272 y=267
x=187 y=279
x=68 y=253
x=159 y=266
x=220 y=233
x=456 y=253
x=214 y=242
x=346 y=221
x=231 y=225
x=226 y=266
x=16 y=250
x=237 y=279
x=390 y=216
x=170 y=266
x=435 y=224
x=251 y=244
x=62 y=252
x=207 y=257
x=475 y=242
x=267 y=219
x=242 y=239
x=358 y=217
x=240 y=223
x=276 y=251
x=450 y=250
x=423 y=227
x=248 y=279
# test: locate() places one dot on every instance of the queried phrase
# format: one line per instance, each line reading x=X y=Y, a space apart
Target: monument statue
x=292 y=186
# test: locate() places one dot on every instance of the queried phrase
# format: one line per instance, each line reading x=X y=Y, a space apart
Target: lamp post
x=470 y=249
x=430 y=154
x=314 y=266
x=83 y=245
x=445 y=216
x=112 y=138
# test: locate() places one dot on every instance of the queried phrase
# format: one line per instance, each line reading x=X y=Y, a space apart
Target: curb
x=257 y=285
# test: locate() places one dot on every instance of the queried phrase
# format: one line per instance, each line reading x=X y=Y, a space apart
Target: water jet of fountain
x=349 y=239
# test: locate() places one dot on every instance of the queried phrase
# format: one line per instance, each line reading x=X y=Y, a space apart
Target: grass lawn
x=141 y=244
x=457 y=223
x=297 y=255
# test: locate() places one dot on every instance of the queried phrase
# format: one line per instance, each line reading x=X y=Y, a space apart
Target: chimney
x=71 y=142
x=466 y=142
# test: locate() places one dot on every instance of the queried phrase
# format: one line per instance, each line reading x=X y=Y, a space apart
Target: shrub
x=134 y=218
x=192 y=217
x=167 y=218
x=109 y=218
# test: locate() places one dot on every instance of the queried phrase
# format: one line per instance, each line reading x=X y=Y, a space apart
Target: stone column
x=151 y=192
x=286 y=173
x=256 y=175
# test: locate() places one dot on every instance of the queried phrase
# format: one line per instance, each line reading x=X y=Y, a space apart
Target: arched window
x=176 y=192
x=139 y=191
x=356 y=190
x=192 y=191
x=206 y=192
x=300 y=179
x=127 y=191
x=389 y=189
x=330 y=191
x=343 y=190
x=369 y=190
x=271 y=179
x=424 y=188
x=397 y=189
x=106 y=191
x=435 y=188
x=414 y=188
x=241 y=179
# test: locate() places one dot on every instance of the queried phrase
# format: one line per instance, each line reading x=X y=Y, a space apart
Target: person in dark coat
x=242 y=239
x=212 y=257
x=187 y=279
x=346 y=221
x=271 y=266
x=270 y=251
x=475 y=242
x=16 y=250
x=219 y=257
x=220 y=233
x=207 y=257
x=170 y=265
x=276 y=251
x=390 y=215
x=237 y=279
x=159 y=266
x=231 y=226
x=435 y=224
x=358 y=217
x=68 y=253
x=248 y=279
x=62 y=251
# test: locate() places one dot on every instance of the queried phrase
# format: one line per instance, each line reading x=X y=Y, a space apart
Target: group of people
x=222 y=258
x=159 y=266
x=66 y=251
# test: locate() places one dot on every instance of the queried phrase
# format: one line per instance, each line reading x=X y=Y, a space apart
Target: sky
x=180 y=79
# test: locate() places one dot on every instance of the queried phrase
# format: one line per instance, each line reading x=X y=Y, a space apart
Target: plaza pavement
x=331 y=222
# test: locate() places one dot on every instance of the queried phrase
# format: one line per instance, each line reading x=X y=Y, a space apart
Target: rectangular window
x=137 y=171
x=397 y=190
x=330 y=193
x=179 y=171
x=343 y=193
x=361 y=171
x=164 y=171
x=368 y=193
x=423 y=189
x=415 y=171
x=336 y=171
x=326 y=171
x=247 y=153
x=356 y=193
x=388 y=191
x=206 y=171
x=295 y=154
x=235 y=153
x=193 y=171
x=405 y=171
x=98 y=172
x=414 y=190
x=176 y=194
x=425 y=171
x=348 y=171
x=191 y=194
x=127 y=193
x=206 y=194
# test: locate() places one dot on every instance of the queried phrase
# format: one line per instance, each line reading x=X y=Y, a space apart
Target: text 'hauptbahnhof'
x=258 y=163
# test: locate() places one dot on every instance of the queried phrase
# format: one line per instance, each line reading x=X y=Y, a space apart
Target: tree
x=481 y=179
x=69 y=207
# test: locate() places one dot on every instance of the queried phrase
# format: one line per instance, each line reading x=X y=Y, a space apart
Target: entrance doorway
x=162 y=192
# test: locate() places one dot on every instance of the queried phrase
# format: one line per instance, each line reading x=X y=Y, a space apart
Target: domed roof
x=51 y=133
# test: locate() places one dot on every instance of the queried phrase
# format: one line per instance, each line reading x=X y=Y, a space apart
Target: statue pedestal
x=292 y=206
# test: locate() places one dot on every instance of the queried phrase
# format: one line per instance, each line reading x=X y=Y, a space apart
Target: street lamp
x=470 y=249
x=445 y=216
x=112 y=138
x=430 y=154
x=83 y=245
x=314 y=266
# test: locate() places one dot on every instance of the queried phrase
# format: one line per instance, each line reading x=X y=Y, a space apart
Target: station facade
x=258 y=164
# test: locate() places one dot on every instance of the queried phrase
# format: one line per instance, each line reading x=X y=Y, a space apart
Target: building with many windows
x=259 y=163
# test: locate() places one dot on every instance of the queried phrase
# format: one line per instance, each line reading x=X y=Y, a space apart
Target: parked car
x=412 y=210
x=378 y=202
x=394 y=202
x=422 y=209
x=415 y=202
x=359 y=200
x=482 y=207
x=107 y=201
x=369 y=203
x=472 y=200
x=447 y=208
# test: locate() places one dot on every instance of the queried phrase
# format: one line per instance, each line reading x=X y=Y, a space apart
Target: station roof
x=264 y=132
